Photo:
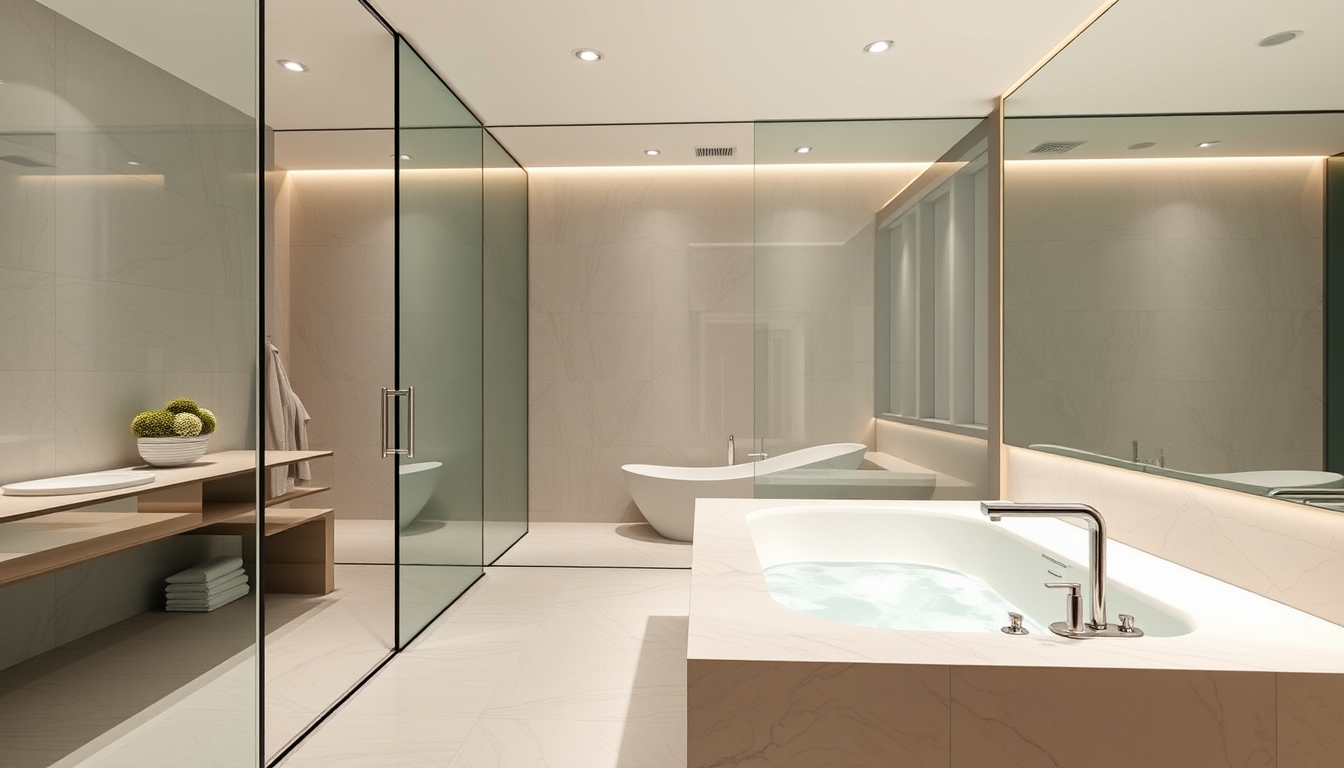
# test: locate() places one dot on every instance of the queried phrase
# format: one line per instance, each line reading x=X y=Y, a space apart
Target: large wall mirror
x=1164 y=235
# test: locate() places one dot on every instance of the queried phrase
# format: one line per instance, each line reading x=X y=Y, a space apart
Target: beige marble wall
x=1177 y=303
x=1288 y=552
x=341 y=274
x=640 y=329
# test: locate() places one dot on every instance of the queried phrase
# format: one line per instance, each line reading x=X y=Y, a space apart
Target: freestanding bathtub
x=417 y=485
x=666 y=495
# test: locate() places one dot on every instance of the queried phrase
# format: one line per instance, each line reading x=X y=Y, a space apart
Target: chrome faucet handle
x=1127 y=623
x=762 y=455
x=1014 y=625
x=1073 y=609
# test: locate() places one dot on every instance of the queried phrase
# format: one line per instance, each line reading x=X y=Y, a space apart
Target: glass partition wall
x=505 y=349
x=871 y=309
x=128 y=277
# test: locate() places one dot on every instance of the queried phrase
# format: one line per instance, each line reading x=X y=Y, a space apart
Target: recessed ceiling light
x=652 y=152
x=1279 y=38
x=292 y=66
x=1143 y=145
x=131 y=162
x=588 y=54
x=803 y=150
x=1207 y=144
x=878 y=46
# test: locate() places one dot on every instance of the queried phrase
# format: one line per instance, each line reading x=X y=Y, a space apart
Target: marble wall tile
x=1310 y=720
x=816 y=714
x=1042 y=716
x=27 y=313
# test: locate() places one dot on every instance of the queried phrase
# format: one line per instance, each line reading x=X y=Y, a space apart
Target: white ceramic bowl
x=172 y=451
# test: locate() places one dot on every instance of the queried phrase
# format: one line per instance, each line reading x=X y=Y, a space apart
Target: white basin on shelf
x=86 y=483
x=1282 y=478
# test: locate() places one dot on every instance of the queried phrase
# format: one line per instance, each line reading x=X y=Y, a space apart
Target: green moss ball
x=153 y=424
x=187 y=425
x=208 y=421
x=183 y=405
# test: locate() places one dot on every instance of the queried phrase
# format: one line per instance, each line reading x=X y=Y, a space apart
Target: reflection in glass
x=128 y=268
x=439 y=328
x=825 y=222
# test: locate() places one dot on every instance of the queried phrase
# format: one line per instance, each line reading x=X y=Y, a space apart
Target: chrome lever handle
x=1073 y=605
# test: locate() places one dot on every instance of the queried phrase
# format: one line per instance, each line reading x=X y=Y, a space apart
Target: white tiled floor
x=535 y=666
x=622 y=545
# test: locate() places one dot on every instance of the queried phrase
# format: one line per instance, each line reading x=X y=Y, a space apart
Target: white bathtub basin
x=988 y=553
x=87 y=483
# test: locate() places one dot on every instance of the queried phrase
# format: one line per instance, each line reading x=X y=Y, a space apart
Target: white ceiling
x=731 y=60
x=349 y=83
x=1160 y=56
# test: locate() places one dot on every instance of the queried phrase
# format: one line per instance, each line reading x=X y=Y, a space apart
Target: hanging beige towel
x=286 y=423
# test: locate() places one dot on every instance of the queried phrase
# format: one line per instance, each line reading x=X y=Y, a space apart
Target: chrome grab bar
x=389 y=396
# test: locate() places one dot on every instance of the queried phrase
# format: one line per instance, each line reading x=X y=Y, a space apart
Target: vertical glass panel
x=128 y=276
x=505 y=351
x=330 y=319
x=439 y=338
x=836 y=226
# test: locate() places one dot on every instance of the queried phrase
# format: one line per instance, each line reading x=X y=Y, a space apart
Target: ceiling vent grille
x=26 y=162
x=715 y=151
x=1056 y=147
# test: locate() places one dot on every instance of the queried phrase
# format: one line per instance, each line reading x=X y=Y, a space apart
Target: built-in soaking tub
x=1217 y=680
x=666 y=495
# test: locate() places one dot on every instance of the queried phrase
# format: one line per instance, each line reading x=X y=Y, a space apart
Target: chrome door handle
x=389 y=397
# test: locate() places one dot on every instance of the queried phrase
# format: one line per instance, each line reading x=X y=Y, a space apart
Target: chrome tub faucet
x=1074 y=626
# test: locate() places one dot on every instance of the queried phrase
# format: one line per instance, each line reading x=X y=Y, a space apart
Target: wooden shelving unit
x=215 y=495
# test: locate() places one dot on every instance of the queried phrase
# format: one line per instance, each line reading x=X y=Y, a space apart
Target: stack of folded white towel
x=207 y=586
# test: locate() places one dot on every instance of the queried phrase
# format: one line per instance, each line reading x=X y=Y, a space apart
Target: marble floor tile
x=559 y=666
x=567 y=743
x=365 y=541
x=612 y=545
x=621 y=684
x=378 y=741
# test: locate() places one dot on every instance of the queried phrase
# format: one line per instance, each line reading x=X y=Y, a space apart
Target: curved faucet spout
x=1096 y=526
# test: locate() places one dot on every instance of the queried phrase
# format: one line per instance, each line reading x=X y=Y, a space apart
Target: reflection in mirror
x=1164 y=273
x=845 y=212
x=329 y=322
x=128 y=276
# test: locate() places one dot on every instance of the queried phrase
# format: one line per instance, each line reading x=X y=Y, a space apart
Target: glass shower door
x=439 y=345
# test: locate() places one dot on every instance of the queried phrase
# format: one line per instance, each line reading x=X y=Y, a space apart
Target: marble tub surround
x=1210 y=697
x=961 y=462
x=1289 y=552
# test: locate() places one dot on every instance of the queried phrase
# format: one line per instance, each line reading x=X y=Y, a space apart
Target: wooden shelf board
x=212 y=466
x=277 y=520
x=297 y=493
x=31 y=548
